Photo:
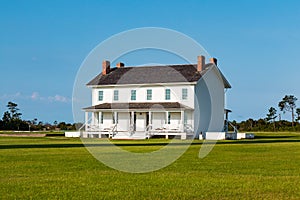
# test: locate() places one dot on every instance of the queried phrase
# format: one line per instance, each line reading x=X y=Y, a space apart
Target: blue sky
x=43 y=43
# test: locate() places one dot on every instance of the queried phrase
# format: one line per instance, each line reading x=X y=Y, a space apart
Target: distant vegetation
x=264 y=125
x=12 y=120
x=287 y=104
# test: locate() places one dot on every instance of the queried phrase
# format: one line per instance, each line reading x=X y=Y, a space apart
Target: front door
x=140 y=121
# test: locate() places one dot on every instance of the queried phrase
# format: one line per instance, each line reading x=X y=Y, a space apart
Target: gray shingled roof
x=152 y=74
x=140 y=105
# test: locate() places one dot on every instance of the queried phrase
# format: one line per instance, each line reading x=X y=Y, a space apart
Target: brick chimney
x=105 y=67
x=213 y=61
x=200 y=63
x=120 y=65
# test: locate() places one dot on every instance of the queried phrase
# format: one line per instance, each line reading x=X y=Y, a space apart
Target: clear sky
x=43 y=43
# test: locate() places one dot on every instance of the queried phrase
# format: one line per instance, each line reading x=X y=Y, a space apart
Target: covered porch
x=138 y=120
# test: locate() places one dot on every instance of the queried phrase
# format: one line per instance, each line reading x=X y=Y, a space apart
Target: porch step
x=128 y=136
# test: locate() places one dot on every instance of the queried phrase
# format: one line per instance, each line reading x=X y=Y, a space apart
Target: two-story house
x=169 y=100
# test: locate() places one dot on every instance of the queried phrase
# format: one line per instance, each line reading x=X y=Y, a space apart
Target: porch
x=138 y=124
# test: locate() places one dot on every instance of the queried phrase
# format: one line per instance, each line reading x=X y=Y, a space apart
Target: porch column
x=96 y=118
x=182 y=119
x=192 y=118
x=150 y=117
x=132 y=120
x=99 y=118
x=115 y=116
x=86 y=120
x=167 y=117
x=93 y=118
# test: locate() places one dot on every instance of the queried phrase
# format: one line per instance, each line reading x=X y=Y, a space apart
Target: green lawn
x=32 y=132
x=267 y=167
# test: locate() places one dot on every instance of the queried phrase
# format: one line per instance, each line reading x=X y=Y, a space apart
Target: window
x=184 y=94
x=149 y=94
x=133 y=94
x=169 y=118
x=116 y=95
x=168 y=94
x=100 y=95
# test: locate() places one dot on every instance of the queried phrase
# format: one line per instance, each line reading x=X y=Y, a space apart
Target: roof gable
x=218 y=73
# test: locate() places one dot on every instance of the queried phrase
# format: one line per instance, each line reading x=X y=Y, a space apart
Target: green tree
x=288 y=103
x=62 y=125
x=298 y=114
x=34 y=121
x=271 y=116
x=12 y=118
x=14 y=110
x=6 y=117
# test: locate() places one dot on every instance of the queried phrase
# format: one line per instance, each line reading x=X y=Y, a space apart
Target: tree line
x=273 y=121
x=12 y=120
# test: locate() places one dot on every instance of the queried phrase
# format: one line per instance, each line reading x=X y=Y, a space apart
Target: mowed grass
x=267 y=167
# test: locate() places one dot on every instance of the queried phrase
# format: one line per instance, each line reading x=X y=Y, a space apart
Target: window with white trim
x=116 y=95
x=100 y=95
x=149 y=94
x=184 y=94
x=167 y=94
x=133 y=95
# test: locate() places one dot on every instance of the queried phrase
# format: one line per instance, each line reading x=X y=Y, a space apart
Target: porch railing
x=188 y=128
x=91 y=127
x=235 y=130
x=84 y=127
x=131 y=130
x=113 y=131
x=148 y=131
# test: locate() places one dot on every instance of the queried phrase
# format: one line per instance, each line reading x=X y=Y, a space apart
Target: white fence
x=72 y=134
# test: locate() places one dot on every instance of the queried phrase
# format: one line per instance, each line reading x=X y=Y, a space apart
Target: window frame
x=116 y=95
x=133 y=95
x=149 y=94
x=167 y=94
x=100 y=95
x=184 y=94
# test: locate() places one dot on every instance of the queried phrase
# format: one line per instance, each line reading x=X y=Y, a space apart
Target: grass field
x=50 y=133
x=267 y=167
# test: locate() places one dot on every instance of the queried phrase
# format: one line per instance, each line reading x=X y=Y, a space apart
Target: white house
x=170 y=100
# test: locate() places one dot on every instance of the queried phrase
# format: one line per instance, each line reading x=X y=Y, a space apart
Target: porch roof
x=140 y=105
